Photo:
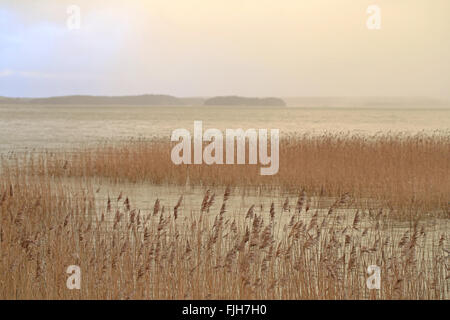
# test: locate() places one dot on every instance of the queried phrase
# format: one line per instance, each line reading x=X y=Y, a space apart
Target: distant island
x=243 y=101
x=146 y=100
x=168 y=100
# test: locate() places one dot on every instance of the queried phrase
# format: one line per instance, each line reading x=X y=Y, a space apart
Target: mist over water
x=47 y=127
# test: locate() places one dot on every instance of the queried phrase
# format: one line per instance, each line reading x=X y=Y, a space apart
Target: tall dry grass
x=173 y=253
x=408 y=173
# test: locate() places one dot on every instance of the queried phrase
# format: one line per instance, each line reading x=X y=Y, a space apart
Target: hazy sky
x=220 y=47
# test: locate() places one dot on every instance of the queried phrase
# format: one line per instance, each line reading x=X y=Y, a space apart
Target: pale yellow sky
x=211 y=47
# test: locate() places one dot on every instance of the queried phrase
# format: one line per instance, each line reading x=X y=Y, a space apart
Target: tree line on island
x=168 y=100
x=147 y=100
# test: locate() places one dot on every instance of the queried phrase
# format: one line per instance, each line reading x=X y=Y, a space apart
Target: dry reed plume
x=172 y=253
x=407 y=173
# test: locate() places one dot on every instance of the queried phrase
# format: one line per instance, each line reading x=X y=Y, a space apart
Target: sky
x=280 y=48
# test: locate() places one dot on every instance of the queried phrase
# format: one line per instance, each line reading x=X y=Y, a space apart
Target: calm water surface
x=43 y=127
x=25 y=127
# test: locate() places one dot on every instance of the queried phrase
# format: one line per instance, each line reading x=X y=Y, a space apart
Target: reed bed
x=407 y=173
x=171 y=252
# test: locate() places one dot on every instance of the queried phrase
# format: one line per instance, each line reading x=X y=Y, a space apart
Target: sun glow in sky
x=212 y=47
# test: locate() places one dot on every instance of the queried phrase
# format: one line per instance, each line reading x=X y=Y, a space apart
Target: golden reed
x=408 y=174
x=172 y=252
